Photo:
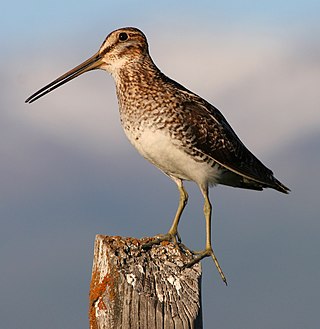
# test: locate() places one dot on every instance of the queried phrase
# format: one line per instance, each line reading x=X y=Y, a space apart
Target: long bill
x=92 y=63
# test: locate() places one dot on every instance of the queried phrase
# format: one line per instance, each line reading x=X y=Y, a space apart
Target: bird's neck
x=137 y=72
x=137 y=80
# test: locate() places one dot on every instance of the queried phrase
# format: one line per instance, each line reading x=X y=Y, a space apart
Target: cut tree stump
x=134 y=288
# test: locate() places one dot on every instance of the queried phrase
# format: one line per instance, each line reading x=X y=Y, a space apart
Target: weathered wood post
x=146 y=289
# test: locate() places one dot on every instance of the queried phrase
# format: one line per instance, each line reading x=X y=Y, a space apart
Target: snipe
x=176 y=130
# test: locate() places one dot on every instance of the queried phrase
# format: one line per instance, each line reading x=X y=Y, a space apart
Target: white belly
x=159 y=149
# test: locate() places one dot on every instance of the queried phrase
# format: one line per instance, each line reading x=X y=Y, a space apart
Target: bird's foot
x=157 y=239
x=208 y=252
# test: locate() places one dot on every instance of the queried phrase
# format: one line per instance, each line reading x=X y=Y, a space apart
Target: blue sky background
x=68 y=172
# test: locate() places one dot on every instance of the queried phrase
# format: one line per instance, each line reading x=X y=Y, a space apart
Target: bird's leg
x=208 y=251
x=173 y=234
x=173 y=231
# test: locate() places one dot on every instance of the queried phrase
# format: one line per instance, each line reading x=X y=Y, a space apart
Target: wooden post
x=146 y=289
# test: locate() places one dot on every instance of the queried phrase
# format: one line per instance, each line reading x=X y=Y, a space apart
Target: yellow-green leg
x=173 y=231
x=208 y=251
x=173 y=234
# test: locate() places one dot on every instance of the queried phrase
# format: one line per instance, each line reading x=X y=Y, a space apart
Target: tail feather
x=233 y=179
x=280 y=187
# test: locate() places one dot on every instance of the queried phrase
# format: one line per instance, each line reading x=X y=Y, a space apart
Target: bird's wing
x=212 y=136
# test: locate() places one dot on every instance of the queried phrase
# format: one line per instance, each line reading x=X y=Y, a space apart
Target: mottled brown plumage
x=176 y=130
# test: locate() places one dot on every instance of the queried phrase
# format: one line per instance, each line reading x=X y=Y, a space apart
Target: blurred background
x=68 y=173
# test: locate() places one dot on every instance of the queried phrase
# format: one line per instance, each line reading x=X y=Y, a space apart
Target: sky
x=68 y=172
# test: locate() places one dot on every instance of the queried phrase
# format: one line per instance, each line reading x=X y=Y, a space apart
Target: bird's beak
x=92 y=63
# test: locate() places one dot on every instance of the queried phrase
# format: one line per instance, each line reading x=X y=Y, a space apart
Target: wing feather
x=214 y=137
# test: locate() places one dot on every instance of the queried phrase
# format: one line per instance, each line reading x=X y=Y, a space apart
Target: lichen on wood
x=136 y=288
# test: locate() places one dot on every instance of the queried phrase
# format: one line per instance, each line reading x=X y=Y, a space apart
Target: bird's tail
x=280 y=187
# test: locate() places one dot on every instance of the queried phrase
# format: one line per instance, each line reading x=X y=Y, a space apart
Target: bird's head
x=121 y=48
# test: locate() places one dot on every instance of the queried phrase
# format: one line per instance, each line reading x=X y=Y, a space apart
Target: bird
x=176 y=130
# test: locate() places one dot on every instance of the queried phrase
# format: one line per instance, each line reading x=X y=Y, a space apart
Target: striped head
x=122 y=47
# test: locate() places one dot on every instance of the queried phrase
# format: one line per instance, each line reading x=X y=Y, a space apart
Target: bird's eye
x=123 y=36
